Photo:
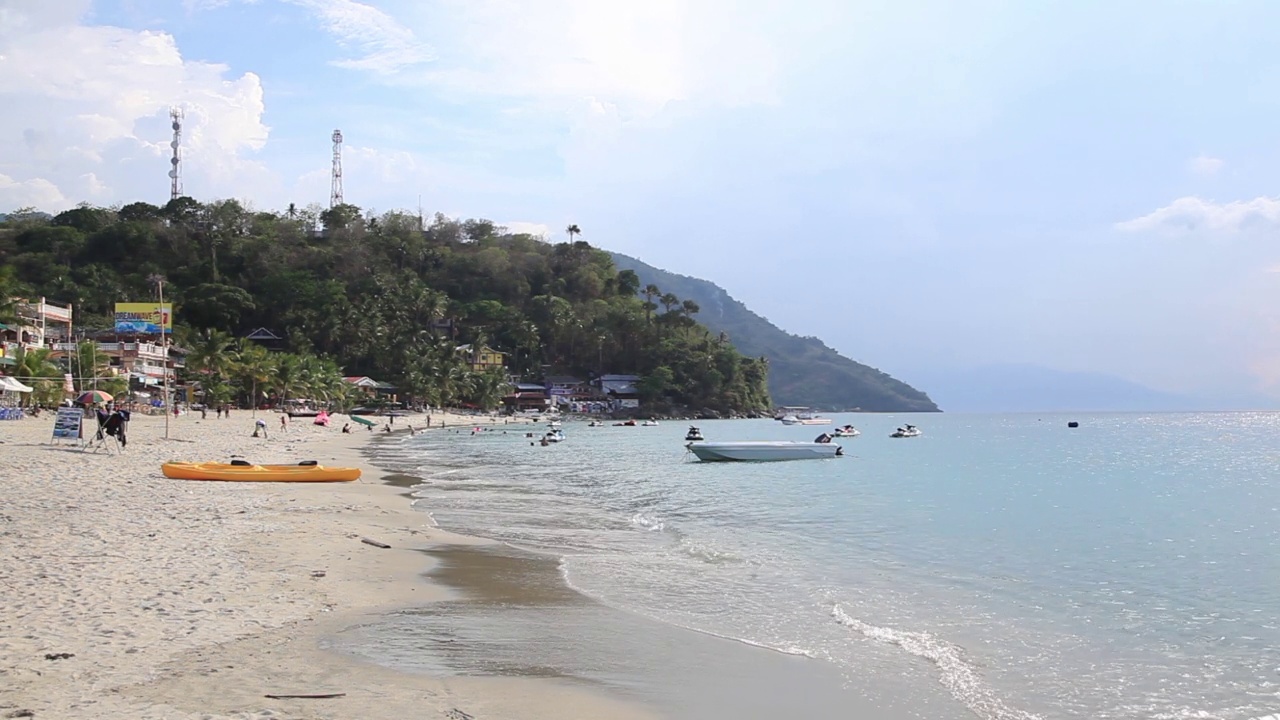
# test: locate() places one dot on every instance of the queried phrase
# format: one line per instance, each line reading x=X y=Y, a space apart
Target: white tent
x=8 y=383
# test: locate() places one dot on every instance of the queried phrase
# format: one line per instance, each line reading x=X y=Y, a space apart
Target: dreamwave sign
x=144 y=318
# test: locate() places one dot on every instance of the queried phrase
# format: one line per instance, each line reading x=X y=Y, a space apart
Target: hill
x=1031 y=388
x=802 y=370
x=424 y=308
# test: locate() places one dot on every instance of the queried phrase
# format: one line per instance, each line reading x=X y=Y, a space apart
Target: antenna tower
x=175 y=172
x=335 y=193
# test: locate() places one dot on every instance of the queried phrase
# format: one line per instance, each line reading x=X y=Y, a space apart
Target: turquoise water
x=1124 y=569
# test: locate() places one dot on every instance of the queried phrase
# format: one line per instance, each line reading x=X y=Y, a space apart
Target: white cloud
x=532 y=228
x=1193 y=214
x=1205 y=165
x=385 y=46
x=89 y=108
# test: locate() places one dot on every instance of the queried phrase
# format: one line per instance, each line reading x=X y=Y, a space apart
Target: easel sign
x=68 y=425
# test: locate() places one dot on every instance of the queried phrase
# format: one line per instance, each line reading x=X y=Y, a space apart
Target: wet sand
x=511 y=614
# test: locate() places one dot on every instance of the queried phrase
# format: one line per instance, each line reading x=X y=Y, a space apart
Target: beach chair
x=111 y=431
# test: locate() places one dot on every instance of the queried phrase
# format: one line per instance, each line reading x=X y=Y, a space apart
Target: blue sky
x=1079 y=185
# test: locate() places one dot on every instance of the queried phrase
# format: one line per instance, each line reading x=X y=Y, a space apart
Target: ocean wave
x=648 y=522
x=958 y=675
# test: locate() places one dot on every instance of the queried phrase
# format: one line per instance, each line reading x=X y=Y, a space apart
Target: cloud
x=1205 y=165
x=383 y=44
x=531 y=228
x=89 y=113
x=1193 y=214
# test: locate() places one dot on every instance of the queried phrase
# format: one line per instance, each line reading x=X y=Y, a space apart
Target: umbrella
x=93 y=397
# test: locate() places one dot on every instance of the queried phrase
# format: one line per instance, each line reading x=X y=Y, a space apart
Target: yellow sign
x=143 y=318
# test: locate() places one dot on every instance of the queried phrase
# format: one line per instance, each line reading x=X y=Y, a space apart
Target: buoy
x=1074 y=424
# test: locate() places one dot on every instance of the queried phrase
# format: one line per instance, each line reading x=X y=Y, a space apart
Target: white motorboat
x=803 y=416
x=595 y=423
x=554 y=436
x=906 y=432
x=693 y=434
x=649 y=423
x=762 y=451
x=846 y=431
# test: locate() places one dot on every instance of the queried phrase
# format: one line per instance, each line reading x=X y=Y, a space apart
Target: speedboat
x=693 y=434
x=595 y=423
x=554 y=436
x=906 y=432
x=846 y=431
x=803 y=416
x=649 y=423
x=762 y=451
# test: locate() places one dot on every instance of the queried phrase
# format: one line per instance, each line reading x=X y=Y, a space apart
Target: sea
x=1126 y=568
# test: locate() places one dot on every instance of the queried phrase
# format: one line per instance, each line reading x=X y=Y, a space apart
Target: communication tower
x=175 y=172
x=335 y=193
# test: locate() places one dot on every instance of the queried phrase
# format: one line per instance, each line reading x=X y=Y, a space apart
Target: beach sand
x=124 y=594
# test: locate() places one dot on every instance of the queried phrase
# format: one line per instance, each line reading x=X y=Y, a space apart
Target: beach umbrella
x=93 y=397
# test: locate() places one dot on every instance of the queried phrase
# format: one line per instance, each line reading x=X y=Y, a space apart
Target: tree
x=649 y=292
x=35 y=367
x=254 y=366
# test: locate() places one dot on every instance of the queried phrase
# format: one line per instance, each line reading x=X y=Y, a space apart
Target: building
x=39 y=325
x=369 y=386
x=482 y=358
x=566 y=389
x=527 y=396
x=620 y=390
x=142 y=361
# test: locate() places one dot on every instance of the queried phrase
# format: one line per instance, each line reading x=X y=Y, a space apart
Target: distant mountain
x=802 y=370
x=1031 y=388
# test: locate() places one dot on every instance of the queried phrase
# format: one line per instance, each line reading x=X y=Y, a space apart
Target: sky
x=925 y=185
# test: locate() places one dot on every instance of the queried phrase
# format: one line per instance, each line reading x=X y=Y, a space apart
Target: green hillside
x=802 y=370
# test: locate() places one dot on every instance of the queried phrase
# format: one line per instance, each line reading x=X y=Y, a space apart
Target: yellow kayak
x=259 y=473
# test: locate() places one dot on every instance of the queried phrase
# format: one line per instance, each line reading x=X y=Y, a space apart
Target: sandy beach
x=129 y=595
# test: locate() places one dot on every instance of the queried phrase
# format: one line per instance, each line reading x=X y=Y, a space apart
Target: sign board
x=143 y=318
x=67 y=426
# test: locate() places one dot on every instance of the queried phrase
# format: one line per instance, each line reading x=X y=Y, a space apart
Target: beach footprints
x=456 y=714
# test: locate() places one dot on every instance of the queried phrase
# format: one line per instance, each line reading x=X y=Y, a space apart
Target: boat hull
x=259 y=473
x=762 y=451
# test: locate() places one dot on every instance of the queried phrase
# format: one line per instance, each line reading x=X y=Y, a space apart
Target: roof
x=262 y=334
x=562 y=380
x=618 y=387
x=530 y=387
x=619 y=378
x=361 y=381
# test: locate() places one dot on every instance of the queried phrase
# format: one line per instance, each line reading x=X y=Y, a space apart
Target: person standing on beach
x=284 y=422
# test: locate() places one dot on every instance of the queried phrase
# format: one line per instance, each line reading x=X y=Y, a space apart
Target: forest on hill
x=388 y=296
x=802 y=370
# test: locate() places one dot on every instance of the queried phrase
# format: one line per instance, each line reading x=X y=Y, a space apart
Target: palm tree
x=253 y=366
x=36 y=367
x=573 y=230
x=649 y=292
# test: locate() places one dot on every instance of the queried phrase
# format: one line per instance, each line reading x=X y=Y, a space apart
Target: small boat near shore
x=237 y=472
x=763 y=451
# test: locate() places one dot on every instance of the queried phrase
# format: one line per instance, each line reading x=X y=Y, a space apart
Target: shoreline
x=158 y=598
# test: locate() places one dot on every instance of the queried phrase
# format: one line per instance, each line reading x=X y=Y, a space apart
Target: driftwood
x=319 y=696
x=374 y=543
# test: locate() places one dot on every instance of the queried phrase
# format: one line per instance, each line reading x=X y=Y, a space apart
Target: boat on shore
x=763 y=451
x=245 y=472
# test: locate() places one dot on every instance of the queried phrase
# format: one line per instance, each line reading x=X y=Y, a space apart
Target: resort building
x=39 y=325
x=482 y=358
x=620 y=390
